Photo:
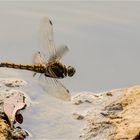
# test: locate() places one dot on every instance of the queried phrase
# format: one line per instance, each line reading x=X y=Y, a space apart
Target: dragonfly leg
x=40 y=75
x=34 y=74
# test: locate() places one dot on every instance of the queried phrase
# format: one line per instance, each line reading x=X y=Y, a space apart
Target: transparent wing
x=59 y=53
x=55 y=88
x=46 y=38
x=49 y=53
x=38 y=58
x=48 y=49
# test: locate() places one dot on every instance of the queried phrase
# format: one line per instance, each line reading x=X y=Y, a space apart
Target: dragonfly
x=47 y=63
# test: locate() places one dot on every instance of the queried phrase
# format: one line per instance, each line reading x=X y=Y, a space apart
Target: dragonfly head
x=71 y=71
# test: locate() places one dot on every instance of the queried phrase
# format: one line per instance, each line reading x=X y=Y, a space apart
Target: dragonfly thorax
x=56 y=70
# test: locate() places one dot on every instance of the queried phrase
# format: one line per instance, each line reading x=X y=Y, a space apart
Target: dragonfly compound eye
x=71 y=71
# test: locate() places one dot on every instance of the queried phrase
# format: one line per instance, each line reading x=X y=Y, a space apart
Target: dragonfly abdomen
x=35 y=68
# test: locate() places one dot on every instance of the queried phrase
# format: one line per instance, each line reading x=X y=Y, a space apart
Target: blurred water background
x=103 y=38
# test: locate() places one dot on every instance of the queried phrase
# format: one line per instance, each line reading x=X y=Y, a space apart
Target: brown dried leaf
x=12 y=104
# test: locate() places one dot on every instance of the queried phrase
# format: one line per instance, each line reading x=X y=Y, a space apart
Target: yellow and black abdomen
x=35 y=68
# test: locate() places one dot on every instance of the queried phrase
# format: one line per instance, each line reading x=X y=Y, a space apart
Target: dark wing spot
x=50 y=22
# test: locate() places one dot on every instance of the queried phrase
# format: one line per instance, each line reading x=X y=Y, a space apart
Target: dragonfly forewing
x=47 y=46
